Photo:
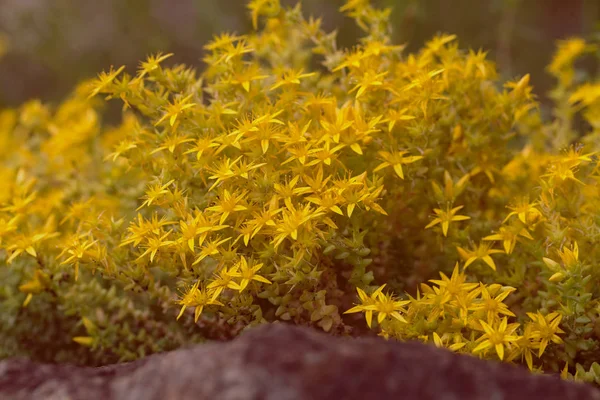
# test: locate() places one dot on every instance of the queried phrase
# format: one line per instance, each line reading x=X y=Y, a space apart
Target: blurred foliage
x=55 y=44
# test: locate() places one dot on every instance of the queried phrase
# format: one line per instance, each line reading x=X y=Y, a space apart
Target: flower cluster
x=463 y=317
x=289 y=174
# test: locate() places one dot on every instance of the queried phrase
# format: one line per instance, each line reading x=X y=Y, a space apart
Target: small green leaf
x=326 y=323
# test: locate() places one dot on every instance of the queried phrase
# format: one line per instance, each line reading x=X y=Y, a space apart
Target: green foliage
x=289 y=175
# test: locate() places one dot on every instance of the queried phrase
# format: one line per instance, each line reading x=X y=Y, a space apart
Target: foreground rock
x=281 y=362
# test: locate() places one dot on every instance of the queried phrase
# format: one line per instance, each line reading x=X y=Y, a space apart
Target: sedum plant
x=294 y=181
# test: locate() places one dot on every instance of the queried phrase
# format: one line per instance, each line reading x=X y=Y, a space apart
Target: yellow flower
x=326 y=202
x=481 y=252
x=198 y=298
x=202 y=145
x=143 y=228
x=223 y=171
x=210 y=248
x=262 y=7
x=440 y=300
x=24 y=244
x=152 y=63
x=8 y=226
x=354 y=5
x=291 y=220
x=497 y=336
x=222 y=280
x=234 y=50
x=368 y=80
x=221 y=42
x=587 y=94
x=154 y=244
x=508 y=236
x=396 y=159
x=78 y=249
x=444 y=217
x=153 y=192
x=334 y=129
x=291 y=78
x=229 y=203
x=439 y=41
x=366 y=303
x=121 y=148
x=265 y=129
x=456 y=284
x=559 y=172
x=173 y=110
x=395 y=116
x=352 y=59
x=171 y=142
x=20 y=202
x=290 y=190
x=36 y=285
x=248 y=272
x=104 y=79
x=266 y=217
x=524 y=346
x=546 y=329
x=492 y=306
x=244 y=78
x=525 y=210
x=388 y=305
x=573 y=156
x=439 y=342
x=378 y=47
x=568 y=51
x=199 y=225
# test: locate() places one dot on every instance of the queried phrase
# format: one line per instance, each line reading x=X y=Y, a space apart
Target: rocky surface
x=282 y=362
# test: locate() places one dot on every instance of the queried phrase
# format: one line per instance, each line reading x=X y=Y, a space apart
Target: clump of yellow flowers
x=289 y=176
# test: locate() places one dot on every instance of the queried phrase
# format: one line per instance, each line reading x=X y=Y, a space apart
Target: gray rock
x=283 y=362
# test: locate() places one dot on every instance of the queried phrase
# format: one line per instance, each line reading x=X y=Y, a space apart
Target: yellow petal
x=337 y=210
x=265 y=145
x=432 y=223
x=369 y=317
x=488 y=260
x=543 y=345
x=197 y=313
x=350 y=209
x=437 y=340
x=445 y=225
x=398 y=169
x=181 y=312
x=529 y=360
x=399 y=317
x=482 y=346
x=31 y=251
x=500 y=351
x=356 y=148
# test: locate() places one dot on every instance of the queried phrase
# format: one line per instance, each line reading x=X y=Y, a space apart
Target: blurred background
x=53 y=44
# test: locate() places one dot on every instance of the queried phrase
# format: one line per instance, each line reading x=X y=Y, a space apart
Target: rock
x=283 y=362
